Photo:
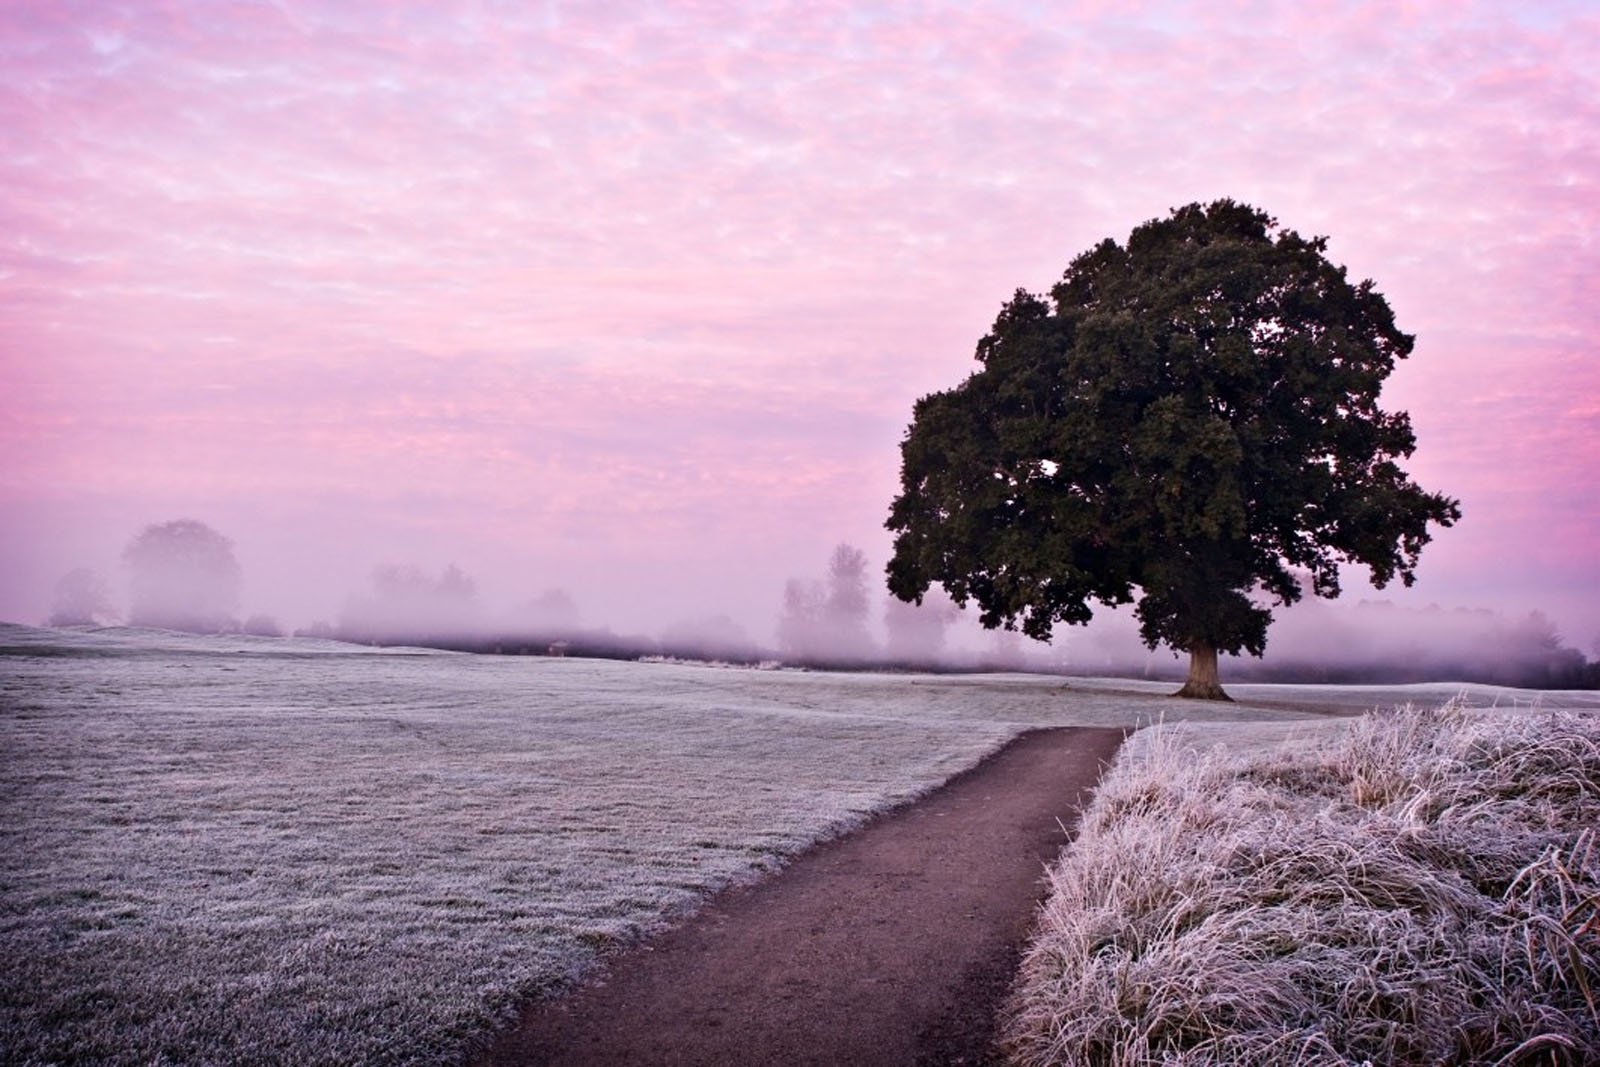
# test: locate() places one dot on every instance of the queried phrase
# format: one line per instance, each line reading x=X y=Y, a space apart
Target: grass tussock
x=1424 y=890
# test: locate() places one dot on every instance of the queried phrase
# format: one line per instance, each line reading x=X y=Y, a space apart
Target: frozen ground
x=1424 y=888
x=246 y=849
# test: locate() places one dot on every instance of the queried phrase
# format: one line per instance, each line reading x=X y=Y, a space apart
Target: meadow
x=256 y=850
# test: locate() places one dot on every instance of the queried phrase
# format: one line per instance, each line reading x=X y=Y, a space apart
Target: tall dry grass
x=1424 y=890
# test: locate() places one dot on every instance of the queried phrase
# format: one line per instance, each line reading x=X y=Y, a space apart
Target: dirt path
x=891 y=946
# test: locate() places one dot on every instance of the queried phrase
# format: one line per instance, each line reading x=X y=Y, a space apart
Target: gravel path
x=891 y=946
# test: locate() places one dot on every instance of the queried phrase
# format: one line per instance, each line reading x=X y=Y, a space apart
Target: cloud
x=695 y=261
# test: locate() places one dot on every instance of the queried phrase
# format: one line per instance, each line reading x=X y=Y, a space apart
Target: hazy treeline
x=1369 y=642
x=828 y=622
x=1381 y=642
x=824 y=623
x=182 y=575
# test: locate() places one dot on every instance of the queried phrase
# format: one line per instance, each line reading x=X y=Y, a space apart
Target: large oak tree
x=1189 y=421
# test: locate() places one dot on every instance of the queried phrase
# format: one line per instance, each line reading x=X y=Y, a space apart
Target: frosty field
x=253 y=850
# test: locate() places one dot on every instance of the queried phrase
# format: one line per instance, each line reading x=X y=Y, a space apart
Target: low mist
x=184 y=574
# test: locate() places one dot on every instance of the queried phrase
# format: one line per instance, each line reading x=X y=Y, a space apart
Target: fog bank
x=827 y=608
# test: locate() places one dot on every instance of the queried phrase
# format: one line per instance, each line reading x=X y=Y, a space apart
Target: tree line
x=183 y=575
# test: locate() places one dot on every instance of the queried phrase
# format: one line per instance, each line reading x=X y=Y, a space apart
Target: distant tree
x=801 y=629
x=408 y=603
x=81 y=599
x=262 y=626
x=551 y=612
x=1533 y=654
x=826 y=620
x=1185 y=421
x=1005 y=652
x=716 y=636
x=1535 y=632
x=184 y=577
x=847 y=605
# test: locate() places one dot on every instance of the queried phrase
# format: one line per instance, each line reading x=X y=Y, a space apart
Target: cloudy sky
x=635 y=298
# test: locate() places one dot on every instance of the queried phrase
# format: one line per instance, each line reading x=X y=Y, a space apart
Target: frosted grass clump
x=1425 y=889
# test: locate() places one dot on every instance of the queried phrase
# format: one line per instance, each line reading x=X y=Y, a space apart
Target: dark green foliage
x=1182 y=421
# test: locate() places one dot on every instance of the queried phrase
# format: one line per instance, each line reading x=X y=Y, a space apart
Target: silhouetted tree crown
x=184 y=577
x=1181 y=421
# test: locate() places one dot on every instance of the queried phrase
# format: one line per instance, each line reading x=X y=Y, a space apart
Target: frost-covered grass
x=242 y=849
x=1421 y=887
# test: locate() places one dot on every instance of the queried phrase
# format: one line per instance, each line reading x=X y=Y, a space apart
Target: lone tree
x=1184 y=421
x=845 y=610
x=184 y=577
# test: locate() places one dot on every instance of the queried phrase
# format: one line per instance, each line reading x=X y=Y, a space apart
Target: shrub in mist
x=184 y=577
x=407 y=603
x=262 y=626
x=1380 y=641
x=552 y=612
x=713 y=636
x=81 y=599
x=1426 y=891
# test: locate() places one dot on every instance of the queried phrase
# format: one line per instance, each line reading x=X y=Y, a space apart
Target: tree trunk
x=1203 y=683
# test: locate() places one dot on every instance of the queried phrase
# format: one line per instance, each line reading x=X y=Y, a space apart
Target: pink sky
x=635 y=298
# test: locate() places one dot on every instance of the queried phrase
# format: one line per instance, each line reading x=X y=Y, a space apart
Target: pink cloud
x=693 y=262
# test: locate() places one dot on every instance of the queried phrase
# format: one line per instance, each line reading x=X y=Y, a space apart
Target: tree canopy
x=184 y=577
x=1189 y=422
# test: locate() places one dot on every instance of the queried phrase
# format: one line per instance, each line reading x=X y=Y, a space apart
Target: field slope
x=238 y=849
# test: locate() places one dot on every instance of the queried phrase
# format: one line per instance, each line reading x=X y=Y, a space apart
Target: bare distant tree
x=455 y=587
x=82 y=599
x=847 y=596
x=800 y=627
x=184 y=577
x=827 y=620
